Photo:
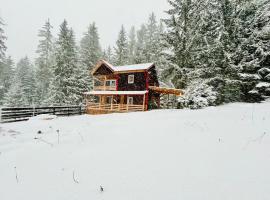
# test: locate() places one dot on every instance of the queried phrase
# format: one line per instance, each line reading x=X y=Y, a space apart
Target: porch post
x=143 y=102
x=127 y=103
x=112 y=103
x=104 y=88
x=168 y=101
x=119 y=102
x=99 y=101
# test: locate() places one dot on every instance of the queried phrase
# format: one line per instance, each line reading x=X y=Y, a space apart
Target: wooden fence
x=24 y=113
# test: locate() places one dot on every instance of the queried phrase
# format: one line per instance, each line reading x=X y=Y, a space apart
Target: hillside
x=217 y=153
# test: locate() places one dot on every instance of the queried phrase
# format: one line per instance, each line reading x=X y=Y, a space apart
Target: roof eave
x=98 y=65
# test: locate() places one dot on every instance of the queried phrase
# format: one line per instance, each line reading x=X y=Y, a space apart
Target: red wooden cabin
x=124 y=88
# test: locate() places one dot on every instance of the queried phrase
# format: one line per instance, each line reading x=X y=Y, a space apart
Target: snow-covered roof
x=134 y=67
x=143 y=66
x=116 y=92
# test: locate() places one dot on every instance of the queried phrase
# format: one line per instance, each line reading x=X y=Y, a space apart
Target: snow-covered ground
x=218 y=153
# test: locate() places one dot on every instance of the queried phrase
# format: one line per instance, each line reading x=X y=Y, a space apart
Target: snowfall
x=216 y=153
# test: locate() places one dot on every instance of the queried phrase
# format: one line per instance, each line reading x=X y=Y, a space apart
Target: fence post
x=33 y=110
x=80 y=108
x=0 y=114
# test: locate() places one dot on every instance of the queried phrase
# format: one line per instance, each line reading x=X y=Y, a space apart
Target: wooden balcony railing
x=104 y=88
x=115 y=107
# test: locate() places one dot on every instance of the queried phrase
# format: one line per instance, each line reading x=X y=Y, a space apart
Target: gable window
x=130 y=100
x=130 y=79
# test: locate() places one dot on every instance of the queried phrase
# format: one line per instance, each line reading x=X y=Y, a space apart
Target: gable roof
x=125 y=68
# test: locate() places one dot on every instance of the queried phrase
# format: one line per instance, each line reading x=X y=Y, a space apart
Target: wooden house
x=125 y=88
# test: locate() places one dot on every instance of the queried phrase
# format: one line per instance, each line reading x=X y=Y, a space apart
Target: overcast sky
x=24 y=18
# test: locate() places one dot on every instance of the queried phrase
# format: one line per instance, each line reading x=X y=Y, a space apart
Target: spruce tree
x=23 y=89
x=121 y=48
x=108 y=54
x=131 y=45
x=90 y=49
x=140 y=48
x=182 y=36
x=44 y=62
x=253 y=55
x=2 y=41
x=152 y=39
x=70 y=78
x=6 y=77
x=63 y=89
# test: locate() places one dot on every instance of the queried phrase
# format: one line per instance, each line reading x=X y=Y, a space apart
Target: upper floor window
x=130 y=79
x=110 y=83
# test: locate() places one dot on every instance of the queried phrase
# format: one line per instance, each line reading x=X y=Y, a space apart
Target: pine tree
x=23 y=89
x=44 y=62
x=182 y=37
x=140 y=49
x=121 y=48
x=70 y=80
x=90 y=53
x=162 y=62
x=63 y=90
x=108 y=54
x=253 y=55
x=152 y=39
x=132 y=45
x=216 y=48
x=90 y=50
x=6 y=77
x=2 y=41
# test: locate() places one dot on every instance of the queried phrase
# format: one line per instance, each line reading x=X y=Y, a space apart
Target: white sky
x=25 y=17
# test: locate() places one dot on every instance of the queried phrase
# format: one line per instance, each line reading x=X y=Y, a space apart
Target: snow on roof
x=143 y=66
x=116 y=92
x=262 y=84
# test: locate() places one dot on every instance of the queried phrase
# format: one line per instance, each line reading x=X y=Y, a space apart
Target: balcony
x=105 y=85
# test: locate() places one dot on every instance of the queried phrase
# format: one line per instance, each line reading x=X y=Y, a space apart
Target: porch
x=103 y=102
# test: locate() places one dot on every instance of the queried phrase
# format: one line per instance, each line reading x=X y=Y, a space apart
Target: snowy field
x=218 y=153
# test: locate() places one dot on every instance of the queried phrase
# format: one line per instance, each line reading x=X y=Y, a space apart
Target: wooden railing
x=105 y=88
x=115 y=107
x=13 y=114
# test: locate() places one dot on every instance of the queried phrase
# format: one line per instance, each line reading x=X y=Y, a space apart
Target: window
x=130 y=100
x=130 y=79
x=113 y=82
x=110 y=83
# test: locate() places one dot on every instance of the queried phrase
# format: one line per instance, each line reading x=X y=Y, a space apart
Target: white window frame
x=128 y=98
x=130 y=78
x=111 y=81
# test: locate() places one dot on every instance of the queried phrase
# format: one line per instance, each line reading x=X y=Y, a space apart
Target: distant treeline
x=217 y=50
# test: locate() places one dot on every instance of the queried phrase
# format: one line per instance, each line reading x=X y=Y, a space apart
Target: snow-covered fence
x=24 y=113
